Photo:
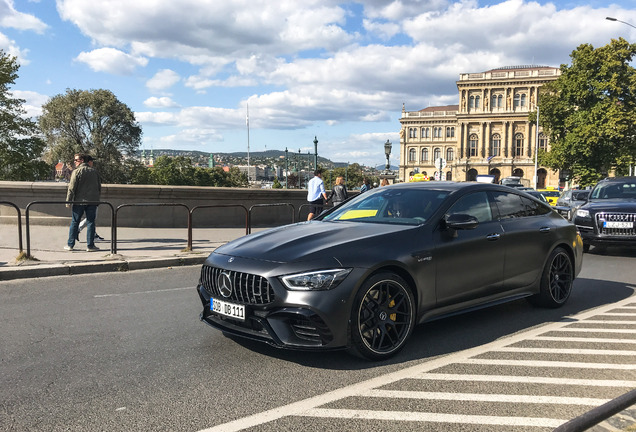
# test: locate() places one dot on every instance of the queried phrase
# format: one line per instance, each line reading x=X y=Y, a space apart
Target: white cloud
x=162 y=80
x=10 y=47
x=160 y=102
x=9 y=17
x=112 y=61
x=33 y=102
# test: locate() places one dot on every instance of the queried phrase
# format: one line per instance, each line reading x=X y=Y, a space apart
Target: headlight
x=583 y=213
x=316 y=280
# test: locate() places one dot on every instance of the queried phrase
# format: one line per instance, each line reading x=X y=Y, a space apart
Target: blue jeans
x=78 y=211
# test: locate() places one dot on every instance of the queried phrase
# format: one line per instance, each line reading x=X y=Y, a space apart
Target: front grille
x=246 y=288
x=629 y=218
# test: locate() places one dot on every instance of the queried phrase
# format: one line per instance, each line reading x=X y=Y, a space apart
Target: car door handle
x=493 y=236
x=544 y=230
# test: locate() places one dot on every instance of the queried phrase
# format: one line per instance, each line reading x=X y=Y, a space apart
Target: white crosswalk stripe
x=489 y=356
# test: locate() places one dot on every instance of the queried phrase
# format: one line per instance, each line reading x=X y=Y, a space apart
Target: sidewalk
x=137 y=248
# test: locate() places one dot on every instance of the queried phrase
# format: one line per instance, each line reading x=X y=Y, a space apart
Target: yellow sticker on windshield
x=358 y=214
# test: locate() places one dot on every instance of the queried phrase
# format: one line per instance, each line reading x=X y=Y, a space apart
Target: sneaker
x=68 y=248
x=92 y=249
x=98 y=237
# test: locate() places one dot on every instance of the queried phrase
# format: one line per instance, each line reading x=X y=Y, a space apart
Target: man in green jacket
x=85 y=185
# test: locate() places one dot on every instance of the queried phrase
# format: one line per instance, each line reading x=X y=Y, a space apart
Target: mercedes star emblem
x=224 y=282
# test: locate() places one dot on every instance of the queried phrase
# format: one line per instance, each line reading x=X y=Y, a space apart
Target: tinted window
x=533 y=208
x=474 y=204
x=509 y=205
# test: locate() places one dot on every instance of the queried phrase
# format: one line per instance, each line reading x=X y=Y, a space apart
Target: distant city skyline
x=338 y=71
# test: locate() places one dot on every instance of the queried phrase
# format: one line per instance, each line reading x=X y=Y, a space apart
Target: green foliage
x=353 y=175
x=93 y=122
x=178 y=171
x=589 y=113
x=20 y=145
x=276 y=184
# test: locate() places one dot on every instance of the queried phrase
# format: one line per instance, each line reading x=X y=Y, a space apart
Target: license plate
x=618 y=224
x=227 y=309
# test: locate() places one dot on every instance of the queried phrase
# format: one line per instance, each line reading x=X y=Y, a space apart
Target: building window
x=412 y=132
x=518 y=145
x=517 y=100
x=437 y=132
x=543 y=142
x=523 y=100
x=472 y=102
x=437 y=153
x=449 y=176
x=450 y=132
x=499 y=101
x=425 y=133
x=472 y=145
x=495 y=143
x=477 y=101
x=493 y=103
x=412 y=155
x=425 y=155
x=450 y=154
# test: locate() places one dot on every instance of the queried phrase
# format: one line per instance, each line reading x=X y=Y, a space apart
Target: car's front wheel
x=556 y=281
x=383 y=316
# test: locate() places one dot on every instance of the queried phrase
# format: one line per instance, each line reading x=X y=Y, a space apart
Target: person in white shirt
x=315 y=194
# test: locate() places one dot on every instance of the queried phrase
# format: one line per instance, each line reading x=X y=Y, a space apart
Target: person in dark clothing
x=339 y=192
x=85 y=185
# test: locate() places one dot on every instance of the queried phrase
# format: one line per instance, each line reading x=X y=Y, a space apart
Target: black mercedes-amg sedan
x=363 y=274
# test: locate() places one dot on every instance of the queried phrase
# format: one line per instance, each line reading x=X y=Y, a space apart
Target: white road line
x=478 y=397
x=525 y=380
x=308 y=407
x=582 y=339
x=605 y=322
x=552 y=364
x=432 y=417
x=567 y=351
x=595 y=330
x=623 y=314
x=141 y=292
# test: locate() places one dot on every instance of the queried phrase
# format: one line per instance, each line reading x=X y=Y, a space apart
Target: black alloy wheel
x=383 y=317
x=557 y=280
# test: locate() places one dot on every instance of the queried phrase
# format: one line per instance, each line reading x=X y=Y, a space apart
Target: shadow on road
x=460 y=332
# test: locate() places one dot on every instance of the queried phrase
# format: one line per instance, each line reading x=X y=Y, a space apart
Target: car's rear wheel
x=556 y=281
x=383 y=316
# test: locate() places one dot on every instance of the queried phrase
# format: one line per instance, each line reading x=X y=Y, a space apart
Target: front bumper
x=284 y=327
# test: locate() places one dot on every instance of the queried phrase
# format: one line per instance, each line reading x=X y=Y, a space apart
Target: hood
x=309 y=240
x=611 y=205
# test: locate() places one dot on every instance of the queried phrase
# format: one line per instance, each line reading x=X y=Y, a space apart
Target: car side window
x=533 y=208
x=509 y=205
x=474 y=204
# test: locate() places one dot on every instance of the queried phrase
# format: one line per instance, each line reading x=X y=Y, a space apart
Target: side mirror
x=460 y=221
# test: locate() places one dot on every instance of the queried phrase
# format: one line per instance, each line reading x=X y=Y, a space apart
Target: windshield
x=390 y=206
x=580 y=196
x=615 y=190
x=550 y=193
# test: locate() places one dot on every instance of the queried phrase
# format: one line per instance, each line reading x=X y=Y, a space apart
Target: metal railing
x=269 y=205
x=190 y=224
x=115 y=212
x=17 y=209
x=28 y=226
x=599 y=414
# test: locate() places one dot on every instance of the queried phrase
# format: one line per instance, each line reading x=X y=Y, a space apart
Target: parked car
x=572 y=199
x=609 y=215
x=361 y=275
x=552 y=195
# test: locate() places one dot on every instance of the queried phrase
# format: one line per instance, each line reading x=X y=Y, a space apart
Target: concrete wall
x=23 y=193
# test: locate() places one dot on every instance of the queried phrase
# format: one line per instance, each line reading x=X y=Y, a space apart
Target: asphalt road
x=126 y=352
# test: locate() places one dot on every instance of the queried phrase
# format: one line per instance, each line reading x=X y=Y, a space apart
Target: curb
x=46 y=270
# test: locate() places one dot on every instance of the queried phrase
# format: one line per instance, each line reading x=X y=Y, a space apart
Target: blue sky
x=336 y=70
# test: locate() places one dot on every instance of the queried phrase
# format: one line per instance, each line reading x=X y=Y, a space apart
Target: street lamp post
x=387 y=152
x=614 y=19
x=286 y=167
x=631 y=25
x=315 y=153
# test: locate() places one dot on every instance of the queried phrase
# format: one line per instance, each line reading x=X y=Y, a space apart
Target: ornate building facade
x=487 y=133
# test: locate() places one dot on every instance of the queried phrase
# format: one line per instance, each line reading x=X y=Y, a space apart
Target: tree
x=20 y=145
x=589 y=113
x=93 y=122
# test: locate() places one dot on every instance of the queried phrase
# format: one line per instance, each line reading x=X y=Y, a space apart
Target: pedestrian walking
x=339 y=192
x=315 y=194
x=84 y=185
x=91 y=163
x=365 y=185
